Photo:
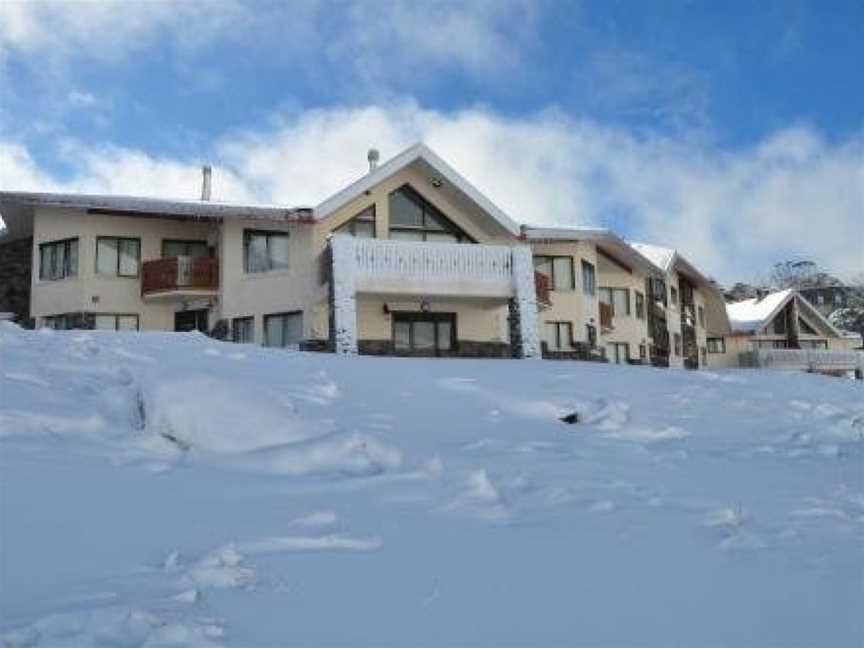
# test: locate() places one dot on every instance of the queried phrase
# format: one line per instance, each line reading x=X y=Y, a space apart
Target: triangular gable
x=417 y=152
x=758 y=314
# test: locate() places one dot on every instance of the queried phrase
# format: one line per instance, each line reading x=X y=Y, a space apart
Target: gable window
x=360 y=226
x=618 y=299
x=559 y=271
x=243 y=330
x=673 y=295
x=716 y=345
x=283 y=329
x=118 y=257
x=805 y=327
x=640 y=304
x=701 y=311
x=176 y=248
x=264 y=250
x=58 y=260
x=558 y=336
x=677 y=340
x=115 y=322
x=589 y=282
x=413 y=218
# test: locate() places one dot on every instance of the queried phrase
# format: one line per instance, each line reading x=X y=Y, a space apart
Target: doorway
x=424 y=334
x=191 y=320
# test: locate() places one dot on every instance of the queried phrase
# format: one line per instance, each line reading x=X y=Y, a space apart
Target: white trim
x=408 y=156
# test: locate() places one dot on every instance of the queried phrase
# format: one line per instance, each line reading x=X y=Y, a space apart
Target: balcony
x=179 y=277
x=606 y=317
x=388 y=267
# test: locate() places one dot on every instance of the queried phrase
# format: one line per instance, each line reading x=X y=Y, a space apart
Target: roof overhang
x=419 y=153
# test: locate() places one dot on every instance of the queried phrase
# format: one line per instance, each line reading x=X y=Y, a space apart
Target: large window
x=716 y=345
x=589 y=282
x=243 y=330
x=175 y=248
x=119 y=257
x=115 y=322
x=58 y=260
x=283 y=329
x=424 y=333
x=413 y=218
x=618 y=299
x=361 y=226
x=264 y=250
x=640 y=304
x=673 y=295
x=619 y=352
x=558 y=336
x=558 y=269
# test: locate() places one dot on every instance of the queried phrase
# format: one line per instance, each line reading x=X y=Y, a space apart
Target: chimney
x=206 y=173
x=373 y=157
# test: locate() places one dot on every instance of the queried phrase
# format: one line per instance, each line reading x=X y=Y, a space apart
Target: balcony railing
x=606 y=316
x=182 y=273
x=804 y=359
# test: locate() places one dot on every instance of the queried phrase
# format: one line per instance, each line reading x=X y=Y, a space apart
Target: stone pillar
x=523 y=306
x=343 y=298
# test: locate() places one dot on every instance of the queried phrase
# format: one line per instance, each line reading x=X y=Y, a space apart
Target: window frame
x=248 y=233
x=185 y=242
x=551 y=259
x=673 y=295
x=284 y=314
x=117 y=272
x=68 y=271
x=639 y=305
x=117 y=317
x=612 y=290
x=48 y=321
x=436 y=318
x=447 y=226
x=568 y=327
x=713 y=348
x=250 y=319
x=588 y=270
x=367 y=215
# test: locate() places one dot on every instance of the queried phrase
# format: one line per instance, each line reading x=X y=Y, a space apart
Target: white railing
x=388 y=259
x=813 y=359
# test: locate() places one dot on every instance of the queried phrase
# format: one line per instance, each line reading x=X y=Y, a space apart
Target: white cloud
x=733 y=212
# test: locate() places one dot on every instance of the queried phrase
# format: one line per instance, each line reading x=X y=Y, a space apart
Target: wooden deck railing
x=179 y=273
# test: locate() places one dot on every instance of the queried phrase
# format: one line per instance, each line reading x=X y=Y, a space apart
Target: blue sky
x=733 y=130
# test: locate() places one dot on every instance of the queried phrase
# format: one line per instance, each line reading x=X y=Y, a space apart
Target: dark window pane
x=405 y=209
x=402 y=335
x=444 y=335
x=424 y=335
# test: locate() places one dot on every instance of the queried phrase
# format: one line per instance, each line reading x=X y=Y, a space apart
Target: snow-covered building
x=411 y=259
x=781 y=322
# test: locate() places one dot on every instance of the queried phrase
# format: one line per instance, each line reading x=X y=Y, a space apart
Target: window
x=174 y=248
x=424 y=333
x=243 y=330
x=115 y=322
x=716 y=345
x=701 y=311
x=559 y=270
x=413 y=218
x=618 y=299
x=619 y=352
x=640 y=304
x=805 y=327
x=56 y=322
x=673 y=295
x=589 y=283
x=283 y=329
x=838 y=299
x=264 y=250
x=558 y=336
x=657 y=290
x=118 y=257
x=677 y=339
x=820 y=299
x=58 y=260
x=361 y=226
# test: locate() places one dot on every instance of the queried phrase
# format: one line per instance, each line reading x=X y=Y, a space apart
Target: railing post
x=523 y=306
x=343 y=295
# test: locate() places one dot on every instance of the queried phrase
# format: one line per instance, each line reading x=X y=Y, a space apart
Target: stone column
x=523 y=306
x=343 y=304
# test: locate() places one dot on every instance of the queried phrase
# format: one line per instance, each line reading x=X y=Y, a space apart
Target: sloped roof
x=410 y=155
x=751 y=315
x=662 y=257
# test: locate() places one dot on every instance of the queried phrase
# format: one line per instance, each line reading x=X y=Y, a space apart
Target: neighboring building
x=782 y=321
x=409 y=260
x=826 y=299
x=685 y=308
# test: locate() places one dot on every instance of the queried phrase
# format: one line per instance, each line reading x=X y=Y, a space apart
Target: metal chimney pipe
x=206 y=181
x=373 y=157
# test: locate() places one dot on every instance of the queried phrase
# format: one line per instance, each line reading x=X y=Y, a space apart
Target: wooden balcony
x=543 y=288
x=180 y=276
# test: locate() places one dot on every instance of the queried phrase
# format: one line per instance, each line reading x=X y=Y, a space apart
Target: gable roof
x=751 y=315
x=662 y=257
x=407 y=157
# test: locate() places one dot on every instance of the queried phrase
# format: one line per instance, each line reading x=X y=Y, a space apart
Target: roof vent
x=207 y=174
x=373 y=156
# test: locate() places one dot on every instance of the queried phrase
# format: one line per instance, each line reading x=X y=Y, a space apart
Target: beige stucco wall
x=263 y=293
x=97 y=293
x=571 y=305
x=627 y=329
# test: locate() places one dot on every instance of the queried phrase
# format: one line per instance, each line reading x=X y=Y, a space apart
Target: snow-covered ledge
x=344 y=294
x=525 y=299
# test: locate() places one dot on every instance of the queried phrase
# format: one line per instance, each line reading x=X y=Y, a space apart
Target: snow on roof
x=753 y=314
x=662 y=257
x=140 y=204
x=416 y=152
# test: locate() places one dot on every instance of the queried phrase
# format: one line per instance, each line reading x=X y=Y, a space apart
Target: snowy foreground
x=171 y=490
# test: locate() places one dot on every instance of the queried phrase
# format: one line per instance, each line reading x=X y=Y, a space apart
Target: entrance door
x=424 y=334
x=191 y=320
x=620 y=352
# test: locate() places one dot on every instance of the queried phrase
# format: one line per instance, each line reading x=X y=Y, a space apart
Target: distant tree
x=800 y=274
x=740 y=291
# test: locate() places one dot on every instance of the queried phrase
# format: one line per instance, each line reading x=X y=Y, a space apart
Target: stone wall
x=16 y=265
